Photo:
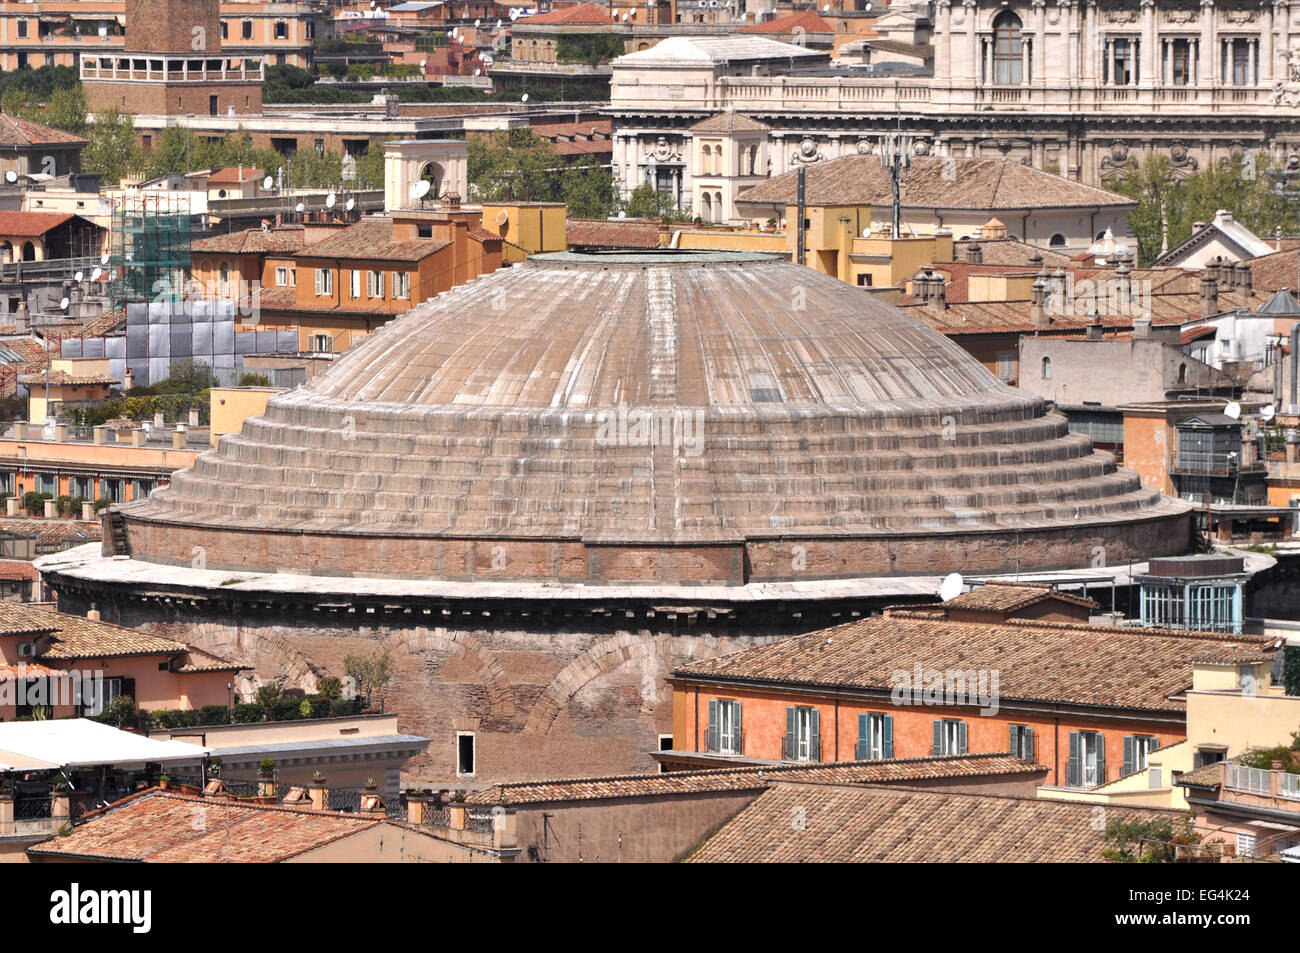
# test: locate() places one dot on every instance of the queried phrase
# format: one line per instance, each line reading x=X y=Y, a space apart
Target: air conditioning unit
x=27 y=650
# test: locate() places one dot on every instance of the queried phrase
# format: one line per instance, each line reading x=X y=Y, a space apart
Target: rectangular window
x=725 y=736
x=111 y=489
x=864 y=281
x=375 y=284
x=875 y=737
x=22 y=29
x=464 y=754
x=282 y=277
x=322 y=343
x=1245 y=845
x=1240 y=66
x=281 y=30
x=141 y=488
x=246 y=29
x=1124 y=55
x=356 y=283
x=83 y=487
x=949 y=737
x=225 y=30
x=320 y=147
x=1087 y=765
x=47 y=483
x=1007 y=366
x=1022 y=742
x=1180 y=63
x=324 y=281
x=401 y=285
x=802 y=734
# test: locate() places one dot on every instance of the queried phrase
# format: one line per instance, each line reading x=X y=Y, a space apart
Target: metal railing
x=1238 y=777
x=32 y=808
x=1288 y=786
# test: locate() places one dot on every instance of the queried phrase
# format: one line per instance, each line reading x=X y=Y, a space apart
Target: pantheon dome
x=653 y=418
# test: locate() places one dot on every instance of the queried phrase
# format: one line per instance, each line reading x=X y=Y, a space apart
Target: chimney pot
x=974 y=253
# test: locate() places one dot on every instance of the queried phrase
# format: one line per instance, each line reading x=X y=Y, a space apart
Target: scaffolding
x=150 y=255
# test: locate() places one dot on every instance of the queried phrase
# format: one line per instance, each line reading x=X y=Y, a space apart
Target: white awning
x=80 y=742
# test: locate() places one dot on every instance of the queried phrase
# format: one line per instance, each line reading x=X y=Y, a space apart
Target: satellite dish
x=268 y=183
x=524 y=98
x=11 y=176
x=95 y=275
x=299 y=207
x=622 y=214
x=1233 y=410
x=866 y=232
x=77 y=277
x=103 y=259
x=420 y=189
x=373 y=4
x=1267 y=412
x=514 y=13
x=951 y=586
x=625 y=17
x=476 y=72
x=63 y=305
x=351 y=204
x=130 y=256
x=502 y=217
x=423 y=63
x=330 y=200
x=476 y=24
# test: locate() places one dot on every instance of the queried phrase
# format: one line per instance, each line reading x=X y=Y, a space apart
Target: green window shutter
x=791 y=738
x=737 y=736
x=1101 y=757
x=961 y=737
x=1014 y=744
x=1155 y=743
x=1073 y=774
x=938 y=737
x=1130 y=755
x=713 y=726
x=864 y=739
x=887 y=749
x=815 y=742
x=1029 y=744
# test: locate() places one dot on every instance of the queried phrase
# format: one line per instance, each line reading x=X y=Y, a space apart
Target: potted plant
x=770 y=225
x=266 y=768
x=459 y=795
x=59 y=782
x=214 y=768
x=318 y=778
x=164 y=780
x=370 y=784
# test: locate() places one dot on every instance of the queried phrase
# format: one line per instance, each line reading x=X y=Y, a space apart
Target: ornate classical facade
x=1072 y=86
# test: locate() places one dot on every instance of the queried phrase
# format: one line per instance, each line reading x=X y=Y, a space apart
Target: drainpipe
x=801 y=211
x=1295 y=362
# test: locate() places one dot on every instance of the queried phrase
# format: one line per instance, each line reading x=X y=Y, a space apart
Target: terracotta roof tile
x=929 y=182
x=577 y=13
x=996 y=596
x=31 y=224
x=1045 y=662
x=284 y=238
x=158 y=827
x=23 y=132
x=600 y=233
x=897 y=825
x=750 y=778
x=728 y=123
x=372 y=238
x=806 y=20
x=233 y=175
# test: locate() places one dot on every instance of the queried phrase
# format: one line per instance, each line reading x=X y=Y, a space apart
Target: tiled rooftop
x=894 y=825
x=158 y=827
x=750 y=778
x=997 y=596
x=1046 y=662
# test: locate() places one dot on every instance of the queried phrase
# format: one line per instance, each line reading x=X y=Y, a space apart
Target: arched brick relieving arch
x=463 y=646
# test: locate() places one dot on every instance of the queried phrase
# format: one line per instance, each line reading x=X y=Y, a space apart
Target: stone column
x=1251 y=47
x=1209 y=69
x=970 y=12
x=1266 y=53
x=1026 y=49
x=1039 y=71
x=1147 y=55
x=1078 y=29
x=943 y=46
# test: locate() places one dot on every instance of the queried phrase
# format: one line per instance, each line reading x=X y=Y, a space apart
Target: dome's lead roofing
x=693 y=408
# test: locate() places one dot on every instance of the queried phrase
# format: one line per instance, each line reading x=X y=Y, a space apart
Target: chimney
x=93 y=614
x=974 y=253
x=1292 y=443
x=1241 y=278
x=1141 y=329
x=927 y=288
x=1209 y=293
x=1037 y=303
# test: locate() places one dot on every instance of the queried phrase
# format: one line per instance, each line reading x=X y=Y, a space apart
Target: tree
x=588 y=190
x=249 y=379
x=66 y=110
x=511 y=164
x=1291 y=669
x=1141 y=841
x=648 y=202
x=111 y=151
x=369 y=673
x=188 y=377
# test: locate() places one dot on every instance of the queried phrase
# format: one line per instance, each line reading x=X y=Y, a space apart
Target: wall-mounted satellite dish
x=420 y=189
x=502 y=217
x=523 y=98
x=477 y=71
x=423 y=63
x=373 y=4
x=95 y=275
x=11 y=176
x=514 y=13
x=63 y=305
x=77 y=277
x=498 y=23
x=330 y=200
x=1233 y=410
x=476 y=24
x=103 y=259
x=1266 y=412
x=350 y=204
x=268 y=183
x=129 y=256
x=625 y=17
x=299 y=207
x=951 y=586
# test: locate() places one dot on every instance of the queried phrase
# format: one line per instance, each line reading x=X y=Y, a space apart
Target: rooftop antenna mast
x=895 y=156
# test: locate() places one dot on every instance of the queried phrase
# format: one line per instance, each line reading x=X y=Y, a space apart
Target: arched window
x=1047 y=368
x=1182 y=373
x=223 y=278
x=1008 y=50
x=1057 y=241
x=717 y=206
x=752 y=163
x=29 y=251
x=706 y=160
x=706 y=207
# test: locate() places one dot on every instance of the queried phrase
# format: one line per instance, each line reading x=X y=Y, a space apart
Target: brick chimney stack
x=1209 y=292
x=974 y=254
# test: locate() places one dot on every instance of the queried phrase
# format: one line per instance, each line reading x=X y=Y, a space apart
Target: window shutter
x=938 y=738
x=864 y=738
x=1072 y=773
x=128 y=688
x=713 y=725
x=791 y=738
x=737 y=737
x=1028 y=746
x=1130 y=755
x=1014 y=745
x=1155 y=743
x=1101 y=757
x=815 y=741
x=961 y=737
x=887 y=749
